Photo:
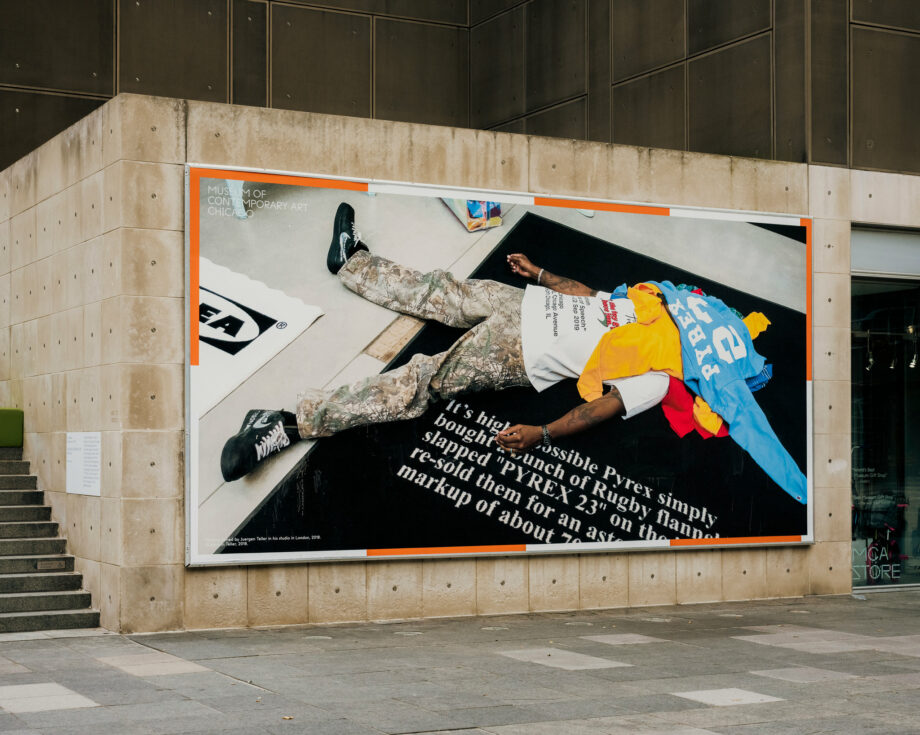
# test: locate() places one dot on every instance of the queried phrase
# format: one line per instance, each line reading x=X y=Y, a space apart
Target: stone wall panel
x=744 y=574
x=151 y=532
x=502 y=585
x=4 y=195
x=829 y=568
x=448 y=587
x=394 y=590
x=832 y=517
x=22 y=239
x=141 y=128
x=553 y=583
x=153 y=598
x=830 y=241
x=338 y=592
x=787 y=571
x=215 y=598
x=603 y=580
x=831 y=406
x=277 y=595
x=23 y=191
x=5 y=246
x=652 y=579
x=699 y=576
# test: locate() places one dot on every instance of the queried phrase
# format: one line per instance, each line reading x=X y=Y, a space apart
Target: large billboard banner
x=386 y=370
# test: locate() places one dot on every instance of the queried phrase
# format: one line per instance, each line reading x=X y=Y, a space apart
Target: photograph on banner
x=378 y=371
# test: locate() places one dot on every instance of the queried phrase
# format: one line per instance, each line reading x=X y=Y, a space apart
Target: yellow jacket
x=652 y=342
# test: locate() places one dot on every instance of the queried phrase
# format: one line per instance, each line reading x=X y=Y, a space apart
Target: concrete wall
x=91 y=339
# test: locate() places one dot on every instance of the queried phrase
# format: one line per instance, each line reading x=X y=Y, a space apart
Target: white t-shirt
x=559 y=332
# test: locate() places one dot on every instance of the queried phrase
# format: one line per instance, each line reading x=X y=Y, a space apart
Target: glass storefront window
x=886 y=431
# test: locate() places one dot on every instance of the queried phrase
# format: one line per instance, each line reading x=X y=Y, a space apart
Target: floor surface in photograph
x=846 y=664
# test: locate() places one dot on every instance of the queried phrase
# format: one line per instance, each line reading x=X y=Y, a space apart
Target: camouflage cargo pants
x=487 y=357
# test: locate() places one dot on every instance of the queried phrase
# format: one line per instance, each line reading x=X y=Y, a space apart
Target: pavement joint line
x=365 y=661
x=155 y=650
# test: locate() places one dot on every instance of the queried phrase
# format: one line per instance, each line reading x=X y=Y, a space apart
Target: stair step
x=28 y=529
x=14 y=453
x=18 y=482
x=13 y=467
x=41 y=601
x=10 y=513
x=21 y=497
x=36 y=564
x=23 y=546
x=20 y=622
x=40 y=582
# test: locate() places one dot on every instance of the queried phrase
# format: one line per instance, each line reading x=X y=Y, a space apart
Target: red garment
x=678 y=410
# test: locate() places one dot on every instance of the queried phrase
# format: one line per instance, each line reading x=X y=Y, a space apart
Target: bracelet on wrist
x=539 y=276
x=547 y=439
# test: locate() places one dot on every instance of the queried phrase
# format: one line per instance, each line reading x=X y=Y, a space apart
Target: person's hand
x=519 y=438
x=520 y=264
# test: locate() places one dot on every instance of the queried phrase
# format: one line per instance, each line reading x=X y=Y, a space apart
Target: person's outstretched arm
x=521 y=437
x=520 y=264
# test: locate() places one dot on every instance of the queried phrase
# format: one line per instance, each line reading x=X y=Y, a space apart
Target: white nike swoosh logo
x=261 y=422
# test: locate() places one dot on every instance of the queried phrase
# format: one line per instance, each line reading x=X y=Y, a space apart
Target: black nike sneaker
x=346 y=240
x=262 y=434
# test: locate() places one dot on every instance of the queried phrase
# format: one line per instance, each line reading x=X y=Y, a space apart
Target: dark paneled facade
x=651 y=109
x=422 y=73
x=714 y=75
x=865 y=72
x=302 y=77
x=57 y=64
x=903 y=14
x=886 y=81
x=829 y=88
x=76 y=52
x=497 y=69
x=717 y=76
x=713 y=23
x=730 y=105
x=630 y=65
x=567 y=120
x=394 y=59
x=249 y=53
x=826 y=81
x=29 y=118
x=646 y=36
x=174 y=48
x=452 y=12
x=789 y=72
x=554 y=51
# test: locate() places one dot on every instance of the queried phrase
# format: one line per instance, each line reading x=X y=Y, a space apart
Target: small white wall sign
x=84 y=450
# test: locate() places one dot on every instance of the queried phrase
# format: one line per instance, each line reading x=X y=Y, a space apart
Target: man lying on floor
x=623 y=347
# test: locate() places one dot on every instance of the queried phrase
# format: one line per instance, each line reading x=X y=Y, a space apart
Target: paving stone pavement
x=843 y=664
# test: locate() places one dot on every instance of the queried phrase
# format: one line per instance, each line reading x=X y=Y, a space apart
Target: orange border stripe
x=213 y=173
x=195 y=176
x=194 y=297
x=806 y=223
x=737 y=540
x=601 y=206
x=447 y=550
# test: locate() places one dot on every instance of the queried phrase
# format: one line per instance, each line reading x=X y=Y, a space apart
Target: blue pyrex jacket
x=718 y=356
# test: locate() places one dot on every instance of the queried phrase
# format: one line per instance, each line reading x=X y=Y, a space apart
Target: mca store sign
x=580 y=375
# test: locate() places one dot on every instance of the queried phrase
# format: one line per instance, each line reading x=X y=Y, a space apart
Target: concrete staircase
x=39 y=589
